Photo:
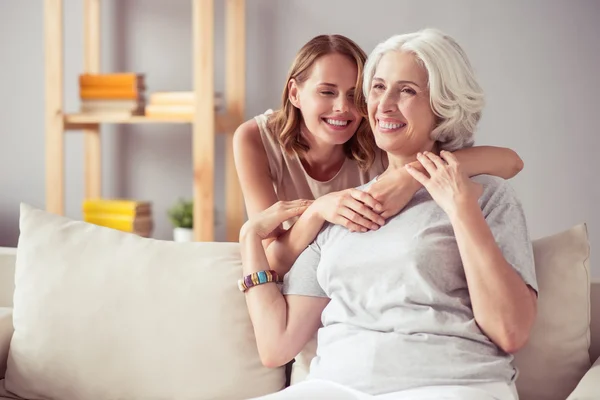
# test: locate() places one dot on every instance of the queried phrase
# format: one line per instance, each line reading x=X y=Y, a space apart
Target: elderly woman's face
x=398 y=103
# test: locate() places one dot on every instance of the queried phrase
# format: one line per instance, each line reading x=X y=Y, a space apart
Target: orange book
x=109 y=93
x=128 y=80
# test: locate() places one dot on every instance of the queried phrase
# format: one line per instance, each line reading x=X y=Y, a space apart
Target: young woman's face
x=326 y=99
x=398 y=103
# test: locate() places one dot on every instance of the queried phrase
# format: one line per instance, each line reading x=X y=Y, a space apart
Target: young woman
x=319 y=146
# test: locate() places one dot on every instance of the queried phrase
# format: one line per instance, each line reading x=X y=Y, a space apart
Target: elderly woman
x=431 y=305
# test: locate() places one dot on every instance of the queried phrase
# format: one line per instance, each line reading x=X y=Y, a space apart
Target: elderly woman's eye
x=378 y=86
x=408 y=91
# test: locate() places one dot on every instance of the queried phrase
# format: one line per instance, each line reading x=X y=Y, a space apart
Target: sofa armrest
x=6 y=331
x=589 y=386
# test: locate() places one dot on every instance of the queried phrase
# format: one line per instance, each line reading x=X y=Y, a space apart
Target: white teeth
x=388 y=125
x=336 y=122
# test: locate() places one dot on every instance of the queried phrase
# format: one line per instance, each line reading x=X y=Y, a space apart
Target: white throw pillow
x=556 y=356
x=103 y=314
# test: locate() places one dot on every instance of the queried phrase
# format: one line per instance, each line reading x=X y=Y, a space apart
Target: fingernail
x=381 y=221
x=374 y=227
x=363 y=230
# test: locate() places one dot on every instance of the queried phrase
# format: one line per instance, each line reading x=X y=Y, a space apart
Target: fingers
x=439 y=163
x=288 y=209
x=363 y=215
x=295 y=207
x=367 y=199
x=449 y=158
x=430 y=167
x=418 y=175
x=354 y=222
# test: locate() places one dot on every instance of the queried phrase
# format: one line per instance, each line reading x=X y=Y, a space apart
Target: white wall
x=538 y=61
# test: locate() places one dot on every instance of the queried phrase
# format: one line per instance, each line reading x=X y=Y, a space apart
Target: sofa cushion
x=104 y=314
x=6 y=331
x=556 y=356
x=7 y=275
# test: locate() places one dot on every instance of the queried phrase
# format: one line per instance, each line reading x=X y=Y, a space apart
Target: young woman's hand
x=356 y=210
x=447 y=183
x=394 y=190
x=268 y=223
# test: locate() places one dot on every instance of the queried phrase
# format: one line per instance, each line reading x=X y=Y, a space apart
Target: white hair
x=454 y=94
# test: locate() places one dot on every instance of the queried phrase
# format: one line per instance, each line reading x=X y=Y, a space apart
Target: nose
x=342 y=104
x=387 y=103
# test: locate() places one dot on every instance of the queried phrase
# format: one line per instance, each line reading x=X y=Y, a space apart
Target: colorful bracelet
x=257 y=278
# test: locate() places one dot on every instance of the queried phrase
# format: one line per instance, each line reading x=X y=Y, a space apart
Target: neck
x=399 y=160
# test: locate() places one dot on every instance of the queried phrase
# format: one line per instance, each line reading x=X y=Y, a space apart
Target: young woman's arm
x=490 y=160
x=282 y=325
x=351 y=208
x=397 y=187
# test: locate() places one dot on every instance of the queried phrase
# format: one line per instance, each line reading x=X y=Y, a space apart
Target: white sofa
x=93 y=313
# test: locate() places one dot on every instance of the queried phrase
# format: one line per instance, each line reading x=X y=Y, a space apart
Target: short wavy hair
x=454 y=93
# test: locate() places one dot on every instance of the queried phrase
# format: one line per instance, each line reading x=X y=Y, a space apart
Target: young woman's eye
x=378 y=86
x=327 y=92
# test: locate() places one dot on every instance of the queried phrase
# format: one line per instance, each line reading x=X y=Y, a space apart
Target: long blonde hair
x=285 y=122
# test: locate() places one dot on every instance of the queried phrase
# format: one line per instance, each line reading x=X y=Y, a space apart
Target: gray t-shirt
x=400 y=314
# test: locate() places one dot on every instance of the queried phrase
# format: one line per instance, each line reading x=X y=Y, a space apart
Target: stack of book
x=121 y=214
x=174 y=104
x=119 y=93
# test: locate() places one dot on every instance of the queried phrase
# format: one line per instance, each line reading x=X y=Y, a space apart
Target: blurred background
x=537 y=60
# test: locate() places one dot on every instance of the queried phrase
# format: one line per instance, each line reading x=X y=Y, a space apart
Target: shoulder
x=496 y=191
x=247 y=132
x=365 y=186
x=248 y=148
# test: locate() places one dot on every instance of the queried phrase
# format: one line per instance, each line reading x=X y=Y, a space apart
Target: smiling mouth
x=337 y=122
x=390 y=125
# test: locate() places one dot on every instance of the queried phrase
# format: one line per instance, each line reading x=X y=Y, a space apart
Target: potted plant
x=181 y=215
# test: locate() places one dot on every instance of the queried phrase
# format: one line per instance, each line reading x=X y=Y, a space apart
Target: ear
x=294 y=93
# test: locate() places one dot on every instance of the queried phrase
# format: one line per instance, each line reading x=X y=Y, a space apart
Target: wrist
x=248 y=234
x=464 y=208
x=313 y=213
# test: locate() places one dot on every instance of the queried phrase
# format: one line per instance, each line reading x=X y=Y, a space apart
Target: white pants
x=315 y=389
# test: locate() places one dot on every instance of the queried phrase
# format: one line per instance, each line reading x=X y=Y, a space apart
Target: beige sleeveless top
x=290 y=179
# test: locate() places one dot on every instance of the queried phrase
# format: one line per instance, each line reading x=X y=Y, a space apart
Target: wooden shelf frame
x=206 y=123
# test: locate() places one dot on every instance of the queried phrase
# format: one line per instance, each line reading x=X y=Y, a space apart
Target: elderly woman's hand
x=447 y=183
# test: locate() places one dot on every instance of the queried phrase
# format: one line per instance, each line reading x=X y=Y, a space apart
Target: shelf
x=205 y=122
x=81 y=121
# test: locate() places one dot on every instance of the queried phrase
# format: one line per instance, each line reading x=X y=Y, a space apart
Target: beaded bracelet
x=257 y=278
